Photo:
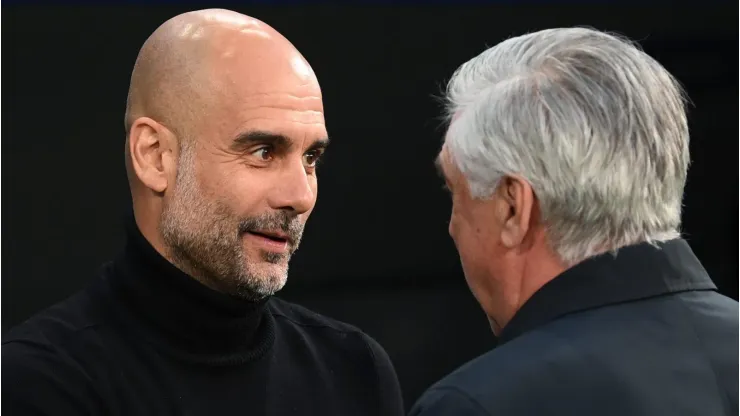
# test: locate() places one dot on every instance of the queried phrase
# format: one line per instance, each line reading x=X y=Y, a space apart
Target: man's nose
x=295 y=190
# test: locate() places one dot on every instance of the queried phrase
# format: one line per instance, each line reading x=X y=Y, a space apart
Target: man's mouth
x=275 y=236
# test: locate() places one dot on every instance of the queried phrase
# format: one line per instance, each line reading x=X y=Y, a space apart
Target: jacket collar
x=636 y=272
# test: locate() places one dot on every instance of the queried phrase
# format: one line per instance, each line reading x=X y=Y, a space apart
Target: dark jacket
x=642 y=333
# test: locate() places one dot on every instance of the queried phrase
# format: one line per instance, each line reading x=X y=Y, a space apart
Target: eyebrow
x=258 y=137
x=320 y=144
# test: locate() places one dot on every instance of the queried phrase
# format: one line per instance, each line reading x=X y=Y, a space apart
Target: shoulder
x=320 y=328
x=61 y=334
x=347 y=347
x=60 y=325
x=326 y=332
x=317 y=327
x=531 y=365
x=491 y=384
x=293 y=314
x=44 y=358
x=442 y=401
x=711 y=312
x=603 y=351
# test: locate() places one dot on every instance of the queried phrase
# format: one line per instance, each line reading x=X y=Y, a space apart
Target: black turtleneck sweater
x=146 y=339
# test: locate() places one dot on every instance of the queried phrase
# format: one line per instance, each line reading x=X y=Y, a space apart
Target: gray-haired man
x=566 y=158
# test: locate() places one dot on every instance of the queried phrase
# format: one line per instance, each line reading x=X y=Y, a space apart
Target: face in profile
x=474 y=225
x=246 y=181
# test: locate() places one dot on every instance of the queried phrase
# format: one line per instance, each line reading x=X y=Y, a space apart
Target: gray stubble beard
x=204 y=239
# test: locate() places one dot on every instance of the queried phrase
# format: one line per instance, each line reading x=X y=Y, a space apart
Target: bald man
x=224 y=127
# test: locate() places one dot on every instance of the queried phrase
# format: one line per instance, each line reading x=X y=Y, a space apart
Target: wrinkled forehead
x=297 y=117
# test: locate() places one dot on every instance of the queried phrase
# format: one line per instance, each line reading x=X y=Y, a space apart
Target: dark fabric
x=146 y=339
x=640 y=333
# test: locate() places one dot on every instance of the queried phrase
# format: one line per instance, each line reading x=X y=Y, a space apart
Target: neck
x=533 y=270
x=147 y=225
x=176 y=312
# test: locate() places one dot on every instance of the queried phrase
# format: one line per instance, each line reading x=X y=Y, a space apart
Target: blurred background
x=376 y=252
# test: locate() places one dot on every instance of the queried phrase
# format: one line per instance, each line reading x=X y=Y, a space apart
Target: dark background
x=376 y=252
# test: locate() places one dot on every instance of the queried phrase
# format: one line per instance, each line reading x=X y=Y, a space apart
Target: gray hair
x=595 y=125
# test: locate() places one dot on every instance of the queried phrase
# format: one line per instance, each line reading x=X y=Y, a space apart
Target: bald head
x=193 y=59
x=225 y=125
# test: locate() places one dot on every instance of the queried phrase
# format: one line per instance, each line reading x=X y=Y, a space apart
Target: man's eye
x=312 y=158
x=264 y=153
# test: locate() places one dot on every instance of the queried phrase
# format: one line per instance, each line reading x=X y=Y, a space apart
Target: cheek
x=466 y=243
x=313 y=183
x=234 y=187
x=467 y=236
x=473 y=258
x=452 y=225
x=455 y=226
x=459 y=227
x=460 y=232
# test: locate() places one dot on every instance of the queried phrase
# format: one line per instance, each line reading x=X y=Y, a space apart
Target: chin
x=270 y=275
x=256 y=287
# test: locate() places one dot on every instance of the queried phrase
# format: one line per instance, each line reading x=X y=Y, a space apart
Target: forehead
x=287 y=101
x=284 y=113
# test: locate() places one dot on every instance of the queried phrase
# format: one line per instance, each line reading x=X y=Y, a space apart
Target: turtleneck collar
x=181 y=315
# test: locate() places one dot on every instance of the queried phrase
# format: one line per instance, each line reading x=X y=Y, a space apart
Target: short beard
x=204 y=238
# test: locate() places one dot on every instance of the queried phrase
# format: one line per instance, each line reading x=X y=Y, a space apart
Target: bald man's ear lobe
x=519 y=198
x=150 y=149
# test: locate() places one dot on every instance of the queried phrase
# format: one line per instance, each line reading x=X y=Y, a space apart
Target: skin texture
x=224 y=126
x=501 y=242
